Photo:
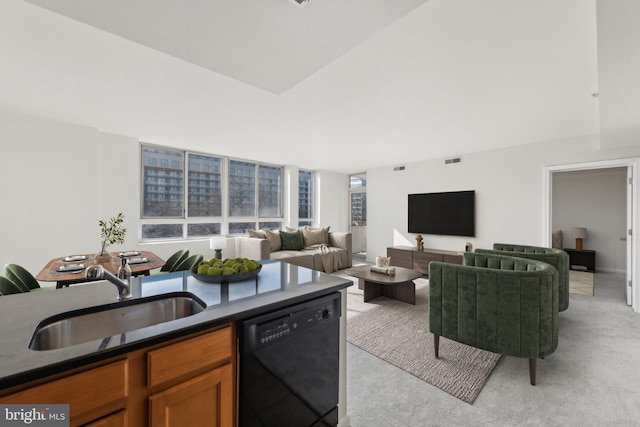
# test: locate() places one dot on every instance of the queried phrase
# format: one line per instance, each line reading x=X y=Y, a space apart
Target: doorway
x=598 y=212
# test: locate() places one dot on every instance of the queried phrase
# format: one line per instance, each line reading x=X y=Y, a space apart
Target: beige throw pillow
x=306 y=227
x=275 y=243
x=257 y=234
x=314 y=237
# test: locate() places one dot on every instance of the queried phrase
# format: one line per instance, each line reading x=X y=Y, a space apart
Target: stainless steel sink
x=102 y=322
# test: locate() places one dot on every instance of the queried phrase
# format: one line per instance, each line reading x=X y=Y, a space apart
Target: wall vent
x=398 y=168
x=299 y=3
x=450 y=161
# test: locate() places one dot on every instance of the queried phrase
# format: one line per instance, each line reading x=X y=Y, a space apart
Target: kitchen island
x=279 y=285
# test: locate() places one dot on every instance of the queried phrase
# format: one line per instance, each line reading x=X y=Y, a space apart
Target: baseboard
x=611 y=270
x=345 y=421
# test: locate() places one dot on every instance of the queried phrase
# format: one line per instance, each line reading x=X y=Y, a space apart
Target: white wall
x=59 y=179
x=509 y=185
x=49 y=190
x=618 y=70
x=596 y=200
x=332 y=200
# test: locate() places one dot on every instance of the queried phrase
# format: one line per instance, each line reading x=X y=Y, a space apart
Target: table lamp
x=218 y=243
x=579 y=233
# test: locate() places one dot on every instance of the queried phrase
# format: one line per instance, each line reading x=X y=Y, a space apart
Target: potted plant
x=111 y=232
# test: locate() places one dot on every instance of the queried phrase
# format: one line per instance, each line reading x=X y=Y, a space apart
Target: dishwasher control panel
x=297 y=319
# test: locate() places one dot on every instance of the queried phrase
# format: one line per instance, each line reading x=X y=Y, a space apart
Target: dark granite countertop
x=278 y=285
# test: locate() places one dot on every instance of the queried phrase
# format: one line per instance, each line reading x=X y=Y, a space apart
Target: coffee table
x=399 y=287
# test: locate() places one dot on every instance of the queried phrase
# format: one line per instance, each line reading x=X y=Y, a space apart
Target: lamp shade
x=217 y=243
x=579 y=233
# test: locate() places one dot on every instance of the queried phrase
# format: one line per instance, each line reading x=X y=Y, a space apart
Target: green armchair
x=505 y=305
x=556 y=257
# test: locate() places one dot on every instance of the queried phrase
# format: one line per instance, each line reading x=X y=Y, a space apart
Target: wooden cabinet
x=187 y=381
x=203 y=400
x=409 y=257
x=90 y=394
x=206 y=400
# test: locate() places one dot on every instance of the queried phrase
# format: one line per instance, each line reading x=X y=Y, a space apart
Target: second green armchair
x=556 y=257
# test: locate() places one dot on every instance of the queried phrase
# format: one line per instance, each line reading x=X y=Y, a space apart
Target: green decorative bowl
x=226 y=279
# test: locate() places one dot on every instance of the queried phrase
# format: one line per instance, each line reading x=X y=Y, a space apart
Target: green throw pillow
x=291 y=241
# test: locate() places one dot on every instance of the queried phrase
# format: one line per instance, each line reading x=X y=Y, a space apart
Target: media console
x=410 y=257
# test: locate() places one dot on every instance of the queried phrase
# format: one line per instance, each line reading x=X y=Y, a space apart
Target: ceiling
x=269 y=44
x=345 y=85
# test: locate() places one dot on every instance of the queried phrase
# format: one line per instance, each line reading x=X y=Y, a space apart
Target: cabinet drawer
x=79 y=391
x=399 y=257
x=188 y=356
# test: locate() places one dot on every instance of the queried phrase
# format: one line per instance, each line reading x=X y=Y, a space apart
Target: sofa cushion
x=275 y=243
x=257 y=234
x=314 y=237
x=306 y=227
x=292 y=241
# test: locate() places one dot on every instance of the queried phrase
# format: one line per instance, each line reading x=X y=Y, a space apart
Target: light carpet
x=581 y=282
x=398 y=333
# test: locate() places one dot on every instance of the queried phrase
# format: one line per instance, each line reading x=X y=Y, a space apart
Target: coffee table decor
x=389 y=271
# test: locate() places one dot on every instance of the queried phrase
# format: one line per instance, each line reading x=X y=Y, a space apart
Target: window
x=269 y=191
x=357 y=181
x=305 y=198
x=246 y=179
x=182 y=195
x=159 y=199
x=242 y=188
x=205 y=186
x=358 y=190
x=359 y=208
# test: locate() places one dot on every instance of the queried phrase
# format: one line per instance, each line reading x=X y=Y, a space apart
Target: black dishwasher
x=289 y=366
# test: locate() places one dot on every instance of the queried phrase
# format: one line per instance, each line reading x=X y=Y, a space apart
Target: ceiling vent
x=398 y=168
x=299 y=3
x=450 y=161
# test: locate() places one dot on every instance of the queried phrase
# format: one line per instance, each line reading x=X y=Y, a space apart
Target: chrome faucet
x=98 y=272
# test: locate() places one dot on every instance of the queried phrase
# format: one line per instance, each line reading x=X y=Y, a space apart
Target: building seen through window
x=305 y=198
x=163 y=183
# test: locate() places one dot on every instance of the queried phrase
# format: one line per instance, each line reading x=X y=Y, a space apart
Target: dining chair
x=21 y=277
x=7 y=287
x=174 y=260
x=189 y=263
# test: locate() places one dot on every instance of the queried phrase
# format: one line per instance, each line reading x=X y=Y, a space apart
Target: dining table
x=68 y=270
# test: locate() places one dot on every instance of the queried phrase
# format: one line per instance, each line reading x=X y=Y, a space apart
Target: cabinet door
x=400 y=257
x=421 y=261
x=206 y=400
x=453 y=259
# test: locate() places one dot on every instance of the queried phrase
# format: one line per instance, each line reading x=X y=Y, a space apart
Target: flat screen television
x=450 y=213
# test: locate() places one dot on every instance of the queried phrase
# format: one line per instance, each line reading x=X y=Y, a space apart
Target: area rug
x=581 y=282
x=398 y=333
